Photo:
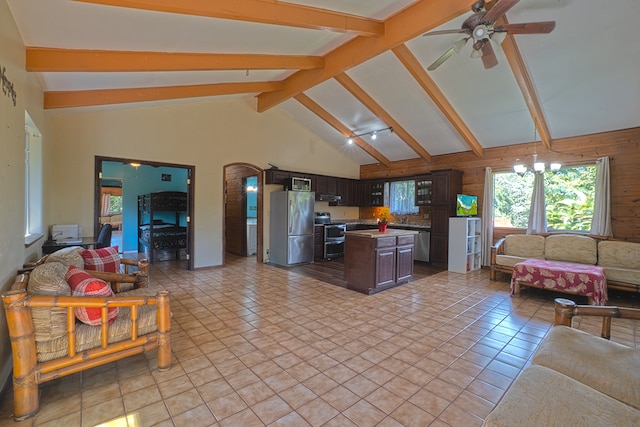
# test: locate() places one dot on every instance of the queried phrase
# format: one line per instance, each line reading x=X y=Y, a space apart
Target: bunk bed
x=162 y=224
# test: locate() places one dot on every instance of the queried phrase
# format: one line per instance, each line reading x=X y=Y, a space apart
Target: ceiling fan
x=480 y=27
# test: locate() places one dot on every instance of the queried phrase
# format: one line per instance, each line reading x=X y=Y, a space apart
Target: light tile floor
x=256 y=345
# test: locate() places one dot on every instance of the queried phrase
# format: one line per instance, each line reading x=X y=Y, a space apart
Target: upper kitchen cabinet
x=424 y=190
x=376 y=193
x=276 y=176
x=446 y=184
x=348 y=190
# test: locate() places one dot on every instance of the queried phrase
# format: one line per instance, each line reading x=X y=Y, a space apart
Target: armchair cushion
x=88 y=337
x=606 y=366
x=67 y=256
x=48 y=279
x=84 y=284
x=105 y=259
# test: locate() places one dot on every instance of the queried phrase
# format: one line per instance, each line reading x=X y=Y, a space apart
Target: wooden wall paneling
x=622 y=147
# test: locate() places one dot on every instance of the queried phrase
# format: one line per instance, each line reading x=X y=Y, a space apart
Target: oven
x=334 y=240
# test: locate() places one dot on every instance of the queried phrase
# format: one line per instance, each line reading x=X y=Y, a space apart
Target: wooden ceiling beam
x=359 y=93
x=519 y=69
x=260 y=11
x=315 y=108
x=41 y=59
x=414 y=67
x=407 y=24
x=84 y=98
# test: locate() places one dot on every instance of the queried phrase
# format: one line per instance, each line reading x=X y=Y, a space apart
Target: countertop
x=420 y=226
x=375 y=234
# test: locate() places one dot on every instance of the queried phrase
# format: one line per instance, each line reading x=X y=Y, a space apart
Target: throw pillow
x=84 y=284
x=105 y=259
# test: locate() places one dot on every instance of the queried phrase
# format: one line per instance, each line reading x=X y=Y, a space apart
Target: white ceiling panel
x=584 y=73
x=407 y=103
x=316 y=125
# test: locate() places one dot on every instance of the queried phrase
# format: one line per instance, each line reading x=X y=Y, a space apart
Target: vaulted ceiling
x=348 y=67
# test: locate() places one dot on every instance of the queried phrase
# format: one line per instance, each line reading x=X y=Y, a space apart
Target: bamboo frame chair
x=139 y=277
x=29 y=372
x=566 y=310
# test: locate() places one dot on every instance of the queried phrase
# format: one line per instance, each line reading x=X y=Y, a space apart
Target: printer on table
x=66 y=234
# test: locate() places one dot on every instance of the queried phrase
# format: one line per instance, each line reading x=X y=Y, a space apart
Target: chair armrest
x=142 y=265
x=497 y=249
x=140 y=279
x=566 y=310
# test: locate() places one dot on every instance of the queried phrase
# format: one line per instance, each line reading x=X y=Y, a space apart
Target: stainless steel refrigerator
x=291 y=227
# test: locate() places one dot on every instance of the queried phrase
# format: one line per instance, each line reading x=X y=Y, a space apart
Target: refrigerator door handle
x=290 y=223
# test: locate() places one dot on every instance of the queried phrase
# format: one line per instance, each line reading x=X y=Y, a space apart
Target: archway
x=235 y=209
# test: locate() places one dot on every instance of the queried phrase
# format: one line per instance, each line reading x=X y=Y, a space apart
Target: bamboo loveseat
x=48 y=341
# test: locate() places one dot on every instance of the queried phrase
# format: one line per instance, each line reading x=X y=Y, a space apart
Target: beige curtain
x=537 y=214
x=106 y=204
x=487 y=217
x=601 y=221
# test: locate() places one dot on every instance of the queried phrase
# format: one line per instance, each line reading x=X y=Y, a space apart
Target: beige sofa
x=114 y=220
x=575 y=378
x=619 y=259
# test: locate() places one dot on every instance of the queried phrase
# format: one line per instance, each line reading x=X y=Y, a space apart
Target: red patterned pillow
x=84 y=284
x=105 y=259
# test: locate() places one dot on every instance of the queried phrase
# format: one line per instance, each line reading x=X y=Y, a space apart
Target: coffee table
x=566 y=277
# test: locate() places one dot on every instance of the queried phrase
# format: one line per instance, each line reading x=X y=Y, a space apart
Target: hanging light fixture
x=538 y=167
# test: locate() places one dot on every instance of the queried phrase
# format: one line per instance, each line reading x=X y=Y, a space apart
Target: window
x=115 y=205
x=402 y=198
x=32 y=181
x=569 y=196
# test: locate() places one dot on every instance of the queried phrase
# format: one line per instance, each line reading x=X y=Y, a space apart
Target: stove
x=333 y=236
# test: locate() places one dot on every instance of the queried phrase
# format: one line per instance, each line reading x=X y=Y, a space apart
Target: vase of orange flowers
x=382 y=224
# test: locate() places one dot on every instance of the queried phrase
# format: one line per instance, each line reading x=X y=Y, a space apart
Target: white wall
x=205 y=133
x=13 y=252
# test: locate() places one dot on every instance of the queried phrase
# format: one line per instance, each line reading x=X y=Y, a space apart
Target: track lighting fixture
x=373 y=133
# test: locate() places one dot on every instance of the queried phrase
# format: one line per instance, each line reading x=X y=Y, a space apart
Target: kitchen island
x=375 y=260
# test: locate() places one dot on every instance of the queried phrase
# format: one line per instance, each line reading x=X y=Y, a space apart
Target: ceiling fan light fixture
x=457 y=46
x=476 y=53
x=499 y=36
x=555 y=167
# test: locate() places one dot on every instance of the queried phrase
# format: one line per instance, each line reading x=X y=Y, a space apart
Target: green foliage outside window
x=569 y=196
x=115 y=205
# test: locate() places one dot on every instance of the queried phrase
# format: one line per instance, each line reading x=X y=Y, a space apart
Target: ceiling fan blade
x=499 y=9
x=436 y=33
x=529 y=28
x=438 y=62
x=489 y=59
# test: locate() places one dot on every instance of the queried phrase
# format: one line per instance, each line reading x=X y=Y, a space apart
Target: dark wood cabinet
x=376 y=193
x=404 y=262
x=423 y=190
x=373 y=264
x=446 y=184
x=276 y=176
x=318 y=241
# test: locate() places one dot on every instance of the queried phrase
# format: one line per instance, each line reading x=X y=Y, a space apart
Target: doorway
x=243 y=206
x=139 y=177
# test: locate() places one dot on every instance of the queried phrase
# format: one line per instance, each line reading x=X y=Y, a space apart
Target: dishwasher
x=421 y=250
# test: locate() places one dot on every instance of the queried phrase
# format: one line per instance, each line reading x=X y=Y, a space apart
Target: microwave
x=299 y=184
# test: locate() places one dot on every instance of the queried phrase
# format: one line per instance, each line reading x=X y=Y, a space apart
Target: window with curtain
x=402 y=198
x=569 y=198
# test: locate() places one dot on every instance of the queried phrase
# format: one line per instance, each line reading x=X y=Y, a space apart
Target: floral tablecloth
x=573 y=278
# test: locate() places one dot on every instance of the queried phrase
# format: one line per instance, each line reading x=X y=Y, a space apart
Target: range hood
x=330 y=198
